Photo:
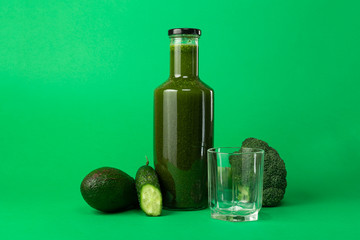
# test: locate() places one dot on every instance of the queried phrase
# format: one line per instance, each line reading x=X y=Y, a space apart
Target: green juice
x=183 y=122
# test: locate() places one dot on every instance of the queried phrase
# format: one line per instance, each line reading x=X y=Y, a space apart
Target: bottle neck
x=184 y=56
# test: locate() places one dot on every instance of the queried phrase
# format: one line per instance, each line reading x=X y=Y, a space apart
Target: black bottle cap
x=192 y=31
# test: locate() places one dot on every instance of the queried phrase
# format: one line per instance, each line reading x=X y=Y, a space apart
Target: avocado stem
x=147 y=161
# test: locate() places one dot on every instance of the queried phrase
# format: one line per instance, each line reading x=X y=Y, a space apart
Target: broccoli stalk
x=244 y=194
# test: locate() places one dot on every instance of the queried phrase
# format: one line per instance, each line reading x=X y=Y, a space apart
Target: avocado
x=109 y=190
x=148 y=190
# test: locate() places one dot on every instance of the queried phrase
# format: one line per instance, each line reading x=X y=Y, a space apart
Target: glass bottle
x=183 y=126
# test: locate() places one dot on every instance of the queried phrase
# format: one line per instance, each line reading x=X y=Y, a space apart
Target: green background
x=76 y=90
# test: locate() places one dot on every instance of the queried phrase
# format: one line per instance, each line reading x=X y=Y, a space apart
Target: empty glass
x=235 y=178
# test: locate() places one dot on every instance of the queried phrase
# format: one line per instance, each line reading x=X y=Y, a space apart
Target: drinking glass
x=235 y=181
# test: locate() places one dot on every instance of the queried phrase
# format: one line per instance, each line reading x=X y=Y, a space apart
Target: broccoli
x=274 y=183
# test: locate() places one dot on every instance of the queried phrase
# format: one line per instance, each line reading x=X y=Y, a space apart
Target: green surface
x=284 y=71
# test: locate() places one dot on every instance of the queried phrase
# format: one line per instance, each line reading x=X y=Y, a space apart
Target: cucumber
x=148 y=190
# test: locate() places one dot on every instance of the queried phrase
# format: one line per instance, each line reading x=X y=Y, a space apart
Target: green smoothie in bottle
x=183 y=126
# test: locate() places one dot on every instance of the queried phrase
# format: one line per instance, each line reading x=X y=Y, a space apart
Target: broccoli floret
x=273 y=164
x=274 y=181
x=255 y=143
x=274 y=184
x=272 y=197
